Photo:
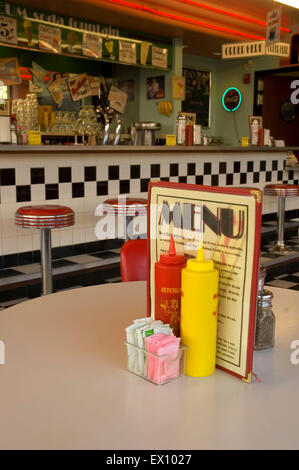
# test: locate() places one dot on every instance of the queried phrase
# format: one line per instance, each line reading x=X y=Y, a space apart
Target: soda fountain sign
x=20 y=11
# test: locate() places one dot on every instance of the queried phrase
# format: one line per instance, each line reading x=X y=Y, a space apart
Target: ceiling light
x=229 y=13
x=171 y=16
x=290 y=3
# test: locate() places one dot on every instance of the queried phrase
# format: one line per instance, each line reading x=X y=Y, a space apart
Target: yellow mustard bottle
x=199 y=307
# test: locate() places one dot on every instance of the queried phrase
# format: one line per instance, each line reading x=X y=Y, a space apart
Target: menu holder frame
x=206 y=197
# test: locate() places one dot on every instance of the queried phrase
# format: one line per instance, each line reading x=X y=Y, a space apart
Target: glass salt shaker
x=265 y=322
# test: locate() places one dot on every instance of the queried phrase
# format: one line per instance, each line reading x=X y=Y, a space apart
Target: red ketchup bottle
x=168 y=287
x=189 y=134
x=261 y=137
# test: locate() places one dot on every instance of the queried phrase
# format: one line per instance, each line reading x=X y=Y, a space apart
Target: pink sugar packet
x=162 y=370
x=170 y=366
x=149 y=346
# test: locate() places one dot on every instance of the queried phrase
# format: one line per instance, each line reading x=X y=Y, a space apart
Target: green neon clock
x=231 y=99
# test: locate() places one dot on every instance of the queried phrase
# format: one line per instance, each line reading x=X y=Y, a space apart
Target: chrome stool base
x=281 y=191
x=278 y=248
x=46 y=261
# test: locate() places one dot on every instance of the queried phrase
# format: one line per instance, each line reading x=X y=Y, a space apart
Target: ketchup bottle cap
x=171 y=257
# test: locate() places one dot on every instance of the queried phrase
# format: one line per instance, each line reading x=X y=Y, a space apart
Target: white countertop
x=64 y=384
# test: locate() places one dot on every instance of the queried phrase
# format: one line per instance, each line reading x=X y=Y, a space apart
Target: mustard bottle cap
x=200 y=263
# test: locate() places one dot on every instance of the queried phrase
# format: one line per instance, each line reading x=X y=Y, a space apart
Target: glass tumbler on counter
x=86 y=125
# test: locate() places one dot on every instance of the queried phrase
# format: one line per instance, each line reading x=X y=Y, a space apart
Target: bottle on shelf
x=205 y=139
x=19 y=136
x=189 y=134
x=197 y=134
x=181 y=130
x=254 y=129
x=13 y=129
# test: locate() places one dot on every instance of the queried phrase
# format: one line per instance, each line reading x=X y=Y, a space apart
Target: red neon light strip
x=183 y=19
x=228 y=13
x=30 y=76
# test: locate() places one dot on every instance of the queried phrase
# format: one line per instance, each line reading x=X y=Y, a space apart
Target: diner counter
x=138 y=149
x=64 y=384
x=81 y=177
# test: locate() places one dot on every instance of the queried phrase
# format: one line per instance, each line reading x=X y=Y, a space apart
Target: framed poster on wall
x=197 y=94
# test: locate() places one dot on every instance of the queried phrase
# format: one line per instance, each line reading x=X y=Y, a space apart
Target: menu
x=50 y=38
x=55 y=89
x=92 y=45
x=178 y=87
x=38 y=74
x=127 y=52
x=228 y=222
x=159 y=57
x=10 y=72
x=79 y=87
x=8 y=29
x=117 y=99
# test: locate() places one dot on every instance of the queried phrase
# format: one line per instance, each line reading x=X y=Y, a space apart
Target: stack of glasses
x=87 y=125
x=26 y=113
x=65 y=122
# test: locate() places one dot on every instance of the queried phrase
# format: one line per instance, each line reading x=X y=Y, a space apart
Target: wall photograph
x=197 y=99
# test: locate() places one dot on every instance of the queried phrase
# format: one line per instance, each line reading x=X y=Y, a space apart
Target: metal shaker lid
x=261 y=278
x=154 y=126
x=265 y=294
x=264 y=299
x=262 y=271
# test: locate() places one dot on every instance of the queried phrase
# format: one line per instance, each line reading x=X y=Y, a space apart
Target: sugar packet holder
x=158 y=369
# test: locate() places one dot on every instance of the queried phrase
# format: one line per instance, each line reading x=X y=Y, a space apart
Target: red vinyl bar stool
x=281 y=191
x=45 y=217
x=128 y=208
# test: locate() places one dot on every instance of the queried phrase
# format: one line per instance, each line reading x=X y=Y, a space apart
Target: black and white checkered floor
x=282 y=270
x=20 y=283
x=286 y=281
x=87 y=266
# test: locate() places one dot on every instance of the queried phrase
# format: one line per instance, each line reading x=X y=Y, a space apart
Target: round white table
x=64 y=384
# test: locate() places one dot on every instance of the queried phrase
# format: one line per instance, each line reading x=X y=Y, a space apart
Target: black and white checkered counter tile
x=70 y=182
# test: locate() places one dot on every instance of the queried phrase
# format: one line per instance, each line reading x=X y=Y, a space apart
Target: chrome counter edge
x=135 y=149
